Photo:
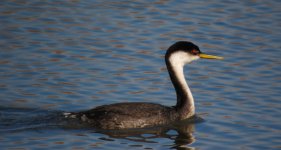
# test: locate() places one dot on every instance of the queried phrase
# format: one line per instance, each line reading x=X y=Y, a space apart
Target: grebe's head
x=184 y=52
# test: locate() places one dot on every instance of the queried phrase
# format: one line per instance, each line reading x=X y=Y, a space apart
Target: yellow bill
x=206 y=56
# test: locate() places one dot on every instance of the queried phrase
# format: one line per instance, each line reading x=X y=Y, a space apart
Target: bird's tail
x=74 y=115
x=70 y=115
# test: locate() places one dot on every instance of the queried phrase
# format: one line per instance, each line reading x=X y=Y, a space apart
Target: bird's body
x=139 y=115
x=128 y=115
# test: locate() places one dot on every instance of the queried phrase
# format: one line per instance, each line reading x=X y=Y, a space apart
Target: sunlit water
x=58 y=56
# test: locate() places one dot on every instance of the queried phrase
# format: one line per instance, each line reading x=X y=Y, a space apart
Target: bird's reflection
x=181 y=133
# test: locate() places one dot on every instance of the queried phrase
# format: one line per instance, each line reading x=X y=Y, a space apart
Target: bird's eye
x=195 y=52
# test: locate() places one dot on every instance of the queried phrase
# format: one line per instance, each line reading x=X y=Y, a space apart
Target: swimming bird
x=140 y=114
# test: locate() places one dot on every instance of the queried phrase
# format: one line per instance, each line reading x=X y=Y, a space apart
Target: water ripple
x=75 y=55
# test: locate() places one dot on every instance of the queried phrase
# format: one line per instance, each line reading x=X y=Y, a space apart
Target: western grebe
x=138 y=114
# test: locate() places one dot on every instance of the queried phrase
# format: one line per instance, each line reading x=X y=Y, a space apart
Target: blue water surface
x=58 y=56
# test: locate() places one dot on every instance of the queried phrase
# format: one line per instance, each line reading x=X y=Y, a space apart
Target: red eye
x=195 y=52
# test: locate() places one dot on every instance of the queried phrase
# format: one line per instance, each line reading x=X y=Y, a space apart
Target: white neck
x=177 y=61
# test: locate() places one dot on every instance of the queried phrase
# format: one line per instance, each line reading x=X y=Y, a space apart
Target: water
x=61 y=56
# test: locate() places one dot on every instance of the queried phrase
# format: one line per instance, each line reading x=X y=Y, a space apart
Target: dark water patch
x=23 y=119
